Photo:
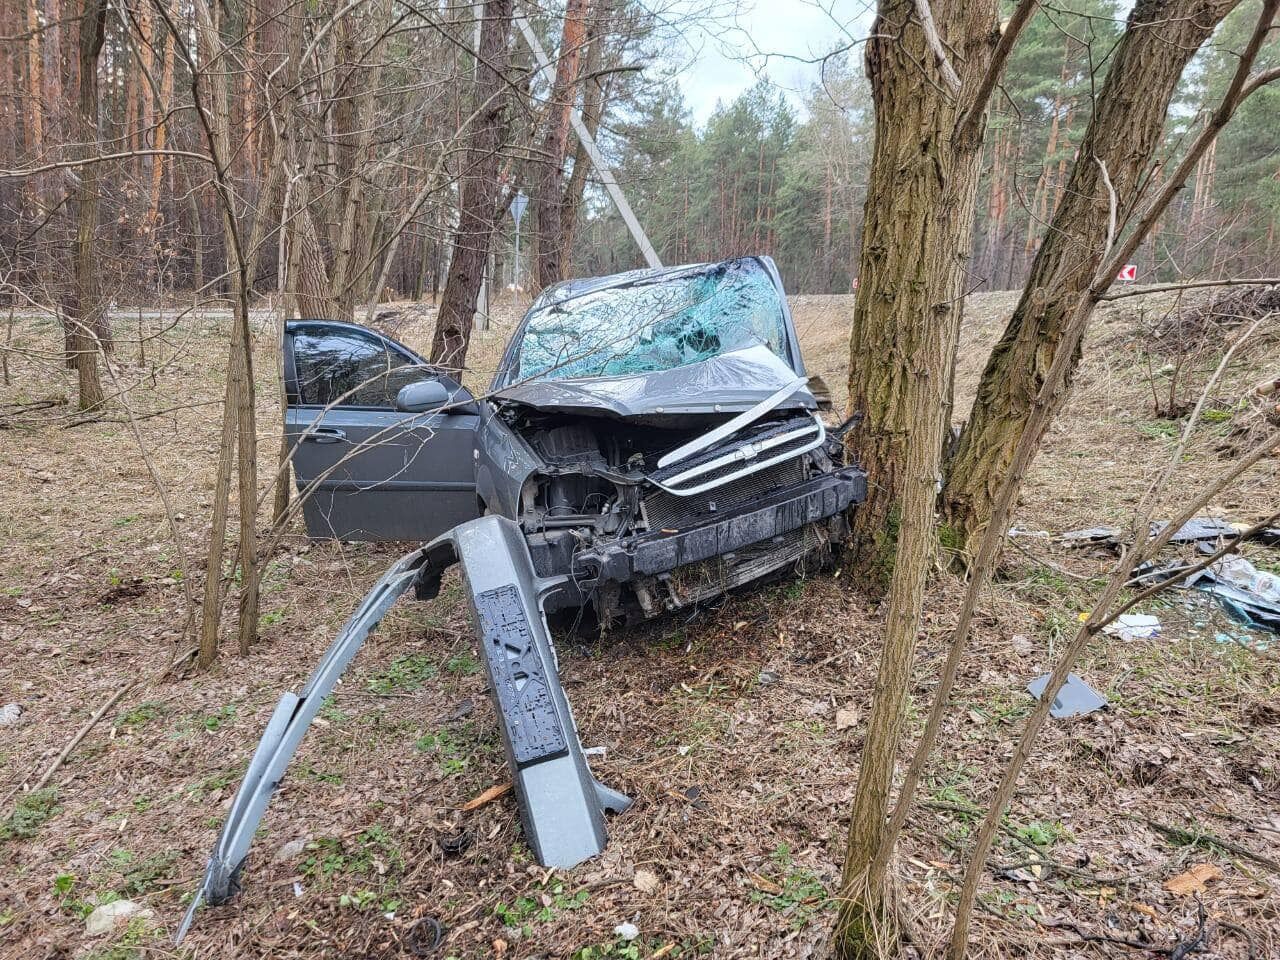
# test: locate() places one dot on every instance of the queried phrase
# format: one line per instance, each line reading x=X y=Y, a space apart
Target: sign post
x=518 y=203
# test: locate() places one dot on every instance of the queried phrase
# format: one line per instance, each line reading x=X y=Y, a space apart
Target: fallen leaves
x=1193 y=880
x=646 y=881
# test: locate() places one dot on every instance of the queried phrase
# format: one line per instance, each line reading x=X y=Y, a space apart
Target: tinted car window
x=351 y=368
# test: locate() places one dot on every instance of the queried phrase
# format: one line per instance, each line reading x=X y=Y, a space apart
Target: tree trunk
x=479 y=192
x=548 y=194
x=921 y=198
x=84 y=307
x=592 y=111
x=1124 y=133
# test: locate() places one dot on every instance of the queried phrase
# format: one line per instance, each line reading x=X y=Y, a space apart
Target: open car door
x=373 y=469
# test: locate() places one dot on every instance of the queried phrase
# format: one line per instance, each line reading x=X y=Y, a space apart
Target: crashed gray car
x=650 y=440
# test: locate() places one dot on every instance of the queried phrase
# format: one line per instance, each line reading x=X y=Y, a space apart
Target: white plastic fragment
x=627 y=931
x=1134 y=626
x=9 y=714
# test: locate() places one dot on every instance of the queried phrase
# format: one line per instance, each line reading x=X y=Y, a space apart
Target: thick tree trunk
x=921 y=198
x=1124 y=133
x=480 y=188
x=917 y=231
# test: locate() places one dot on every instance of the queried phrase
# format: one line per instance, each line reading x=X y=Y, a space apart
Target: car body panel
x=368 y=470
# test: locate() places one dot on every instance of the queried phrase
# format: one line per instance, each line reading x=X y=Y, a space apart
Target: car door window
x=351 y=368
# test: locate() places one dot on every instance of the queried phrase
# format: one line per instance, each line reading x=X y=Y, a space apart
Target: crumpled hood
x=728 y=383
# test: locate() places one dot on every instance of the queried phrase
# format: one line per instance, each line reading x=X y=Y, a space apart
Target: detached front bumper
x=779 y=513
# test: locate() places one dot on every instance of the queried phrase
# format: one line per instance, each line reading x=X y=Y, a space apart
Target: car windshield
x=654 y=324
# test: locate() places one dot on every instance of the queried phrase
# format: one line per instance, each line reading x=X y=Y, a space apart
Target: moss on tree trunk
x=1126 y=130
x=918 y=227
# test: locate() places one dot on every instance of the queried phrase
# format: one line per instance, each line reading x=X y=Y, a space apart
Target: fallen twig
x=75 y=741
x=493 y=793
x=1202 y=838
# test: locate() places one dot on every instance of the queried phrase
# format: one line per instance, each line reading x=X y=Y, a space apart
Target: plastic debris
x=1090 y=536
x=1029 y=534
x=1075 y=699
x=627 y=931
x=1198 y=528
x=10 y=713
x=1134 y=626
x=1248 y=595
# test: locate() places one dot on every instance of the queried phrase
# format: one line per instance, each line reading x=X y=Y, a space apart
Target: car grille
x=701 y=581
x=666 y=511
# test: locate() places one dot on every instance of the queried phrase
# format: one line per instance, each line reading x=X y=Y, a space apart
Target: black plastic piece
x=773 y=515
x=520 y=682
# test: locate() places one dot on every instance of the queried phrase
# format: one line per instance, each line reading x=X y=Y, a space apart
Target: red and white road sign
x=1128 y=272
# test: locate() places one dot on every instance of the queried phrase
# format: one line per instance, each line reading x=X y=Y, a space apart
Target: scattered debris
x=1075 y=699
x=627 y=931
x=425 y=936
x=9 y=714
x=1023 y=645
x=1030 y=534
x=1194 y=880
x=1247 y=594
x=1091 y=536
x=1197 y=529
x=111 y=916
x=846 y=717
x=767 y=678
x=1134 y=626
x=694 y=796
x=457 y=844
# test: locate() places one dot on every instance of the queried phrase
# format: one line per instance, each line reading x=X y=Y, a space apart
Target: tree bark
x=921 y=199
x=84 y=306
x=548 y=195
x=593 y=97
x=1123 y=135
x=479 y=189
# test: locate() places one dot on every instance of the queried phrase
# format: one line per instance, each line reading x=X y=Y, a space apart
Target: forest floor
x=738 y=731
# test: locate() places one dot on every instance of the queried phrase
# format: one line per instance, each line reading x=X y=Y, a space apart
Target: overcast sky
x=772 y=38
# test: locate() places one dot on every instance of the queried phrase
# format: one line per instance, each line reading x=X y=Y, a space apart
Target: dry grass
x=723 y=728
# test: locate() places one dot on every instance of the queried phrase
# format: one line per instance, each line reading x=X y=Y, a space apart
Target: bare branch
x=1196 y=285
x=967 y=128
x=925 y=13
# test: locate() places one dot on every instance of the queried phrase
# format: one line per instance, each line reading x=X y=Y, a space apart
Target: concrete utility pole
x=518 y=203
x=482 y=298
x=589 y=144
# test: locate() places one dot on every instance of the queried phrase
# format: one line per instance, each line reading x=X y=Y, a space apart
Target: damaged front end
x=650 y=443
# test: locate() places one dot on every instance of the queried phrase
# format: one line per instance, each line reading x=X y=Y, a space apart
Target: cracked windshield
x=645 y=327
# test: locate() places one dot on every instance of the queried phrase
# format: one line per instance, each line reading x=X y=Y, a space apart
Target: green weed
x=404 y=673
x=29 y=814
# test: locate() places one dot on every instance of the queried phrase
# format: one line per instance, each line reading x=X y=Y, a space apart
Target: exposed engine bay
x=601 y=491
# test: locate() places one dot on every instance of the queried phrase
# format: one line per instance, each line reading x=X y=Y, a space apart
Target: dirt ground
x=737 y=731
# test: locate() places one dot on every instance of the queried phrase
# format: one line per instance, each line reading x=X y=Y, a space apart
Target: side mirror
x=423 y=396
